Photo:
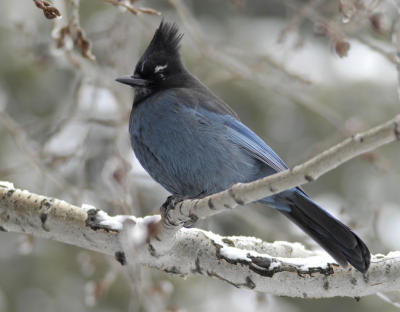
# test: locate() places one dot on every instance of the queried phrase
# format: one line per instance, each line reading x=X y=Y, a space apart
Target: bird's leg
x=170 y=204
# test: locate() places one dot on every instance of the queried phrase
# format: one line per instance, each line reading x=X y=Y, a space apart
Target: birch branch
x=188 y=211
x=279 y=268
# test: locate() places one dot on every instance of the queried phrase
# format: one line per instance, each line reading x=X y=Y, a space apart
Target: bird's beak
x=132 y=81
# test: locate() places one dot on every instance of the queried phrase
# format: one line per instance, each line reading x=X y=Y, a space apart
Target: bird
x=194 y=145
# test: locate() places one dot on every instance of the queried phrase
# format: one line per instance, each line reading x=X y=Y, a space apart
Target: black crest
x=161 y=60
x=166 y=39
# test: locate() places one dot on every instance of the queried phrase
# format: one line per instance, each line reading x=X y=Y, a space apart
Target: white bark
x=278 y=268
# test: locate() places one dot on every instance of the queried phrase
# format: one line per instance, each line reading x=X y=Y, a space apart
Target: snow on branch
x=188 y=211
x=278 y=268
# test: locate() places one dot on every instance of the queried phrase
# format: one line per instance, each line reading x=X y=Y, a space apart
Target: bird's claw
x=169 y=205
x=190 y=222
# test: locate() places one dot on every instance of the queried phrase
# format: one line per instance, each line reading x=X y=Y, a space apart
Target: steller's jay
x=194 y=145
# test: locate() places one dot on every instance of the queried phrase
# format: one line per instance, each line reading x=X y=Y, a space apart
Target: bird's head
x=160 y=66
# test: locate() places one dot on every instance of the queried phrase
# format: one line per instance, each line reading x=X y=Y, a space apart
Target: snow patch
x=117 y=222
x=87 y=207
x=7 y=185
x=113 y=223
x=274 y=265
x=150 y=219
x=305 y=264
x=233 y=253
x=138 y=234
x=320 y=260
x=393 y=254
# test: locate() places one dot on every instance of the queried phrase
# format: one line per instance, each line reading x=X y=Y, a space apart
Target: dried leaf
x=49 y=11
x=342 y=48
x=84 y=45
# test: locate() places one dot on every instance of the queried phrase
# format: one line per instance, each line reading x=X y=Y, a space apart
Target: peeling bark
x=279 y=268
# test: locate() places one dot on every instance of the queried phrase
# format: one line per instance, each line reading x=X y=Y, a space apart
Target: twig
x=132 y=9
x=75 y=33
x=239 y=69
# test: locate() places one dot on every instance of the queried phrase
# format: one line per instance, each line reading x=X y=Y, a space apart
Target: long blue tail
x=334 y=236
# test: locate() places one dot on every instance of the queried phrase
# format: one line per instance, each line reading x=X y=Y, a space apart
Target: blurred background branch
x=303 y=74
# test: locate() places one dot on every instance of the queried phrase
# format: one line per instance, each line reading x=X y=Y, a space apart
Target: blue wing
x=248 y=140
x=334 y=236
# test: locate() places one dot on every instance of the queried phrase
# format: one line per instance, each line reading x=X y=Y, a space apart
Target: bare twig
x=73 y=32
x=240 y=69
x=129 y=6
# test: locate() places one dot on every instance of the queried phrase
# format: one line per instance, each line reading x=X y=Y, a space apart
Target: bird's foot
x=170 y=204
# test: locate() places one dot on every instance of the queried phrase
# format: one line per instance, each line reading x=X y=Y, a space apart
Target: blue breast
x=186 y=148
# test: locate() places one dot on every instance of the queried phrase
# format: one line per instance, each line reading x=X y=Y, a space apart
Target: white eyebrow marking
x=160 y=67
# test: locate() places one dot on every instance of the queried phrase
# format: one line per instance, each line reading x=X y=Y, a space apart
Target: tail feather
x=334 y=236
